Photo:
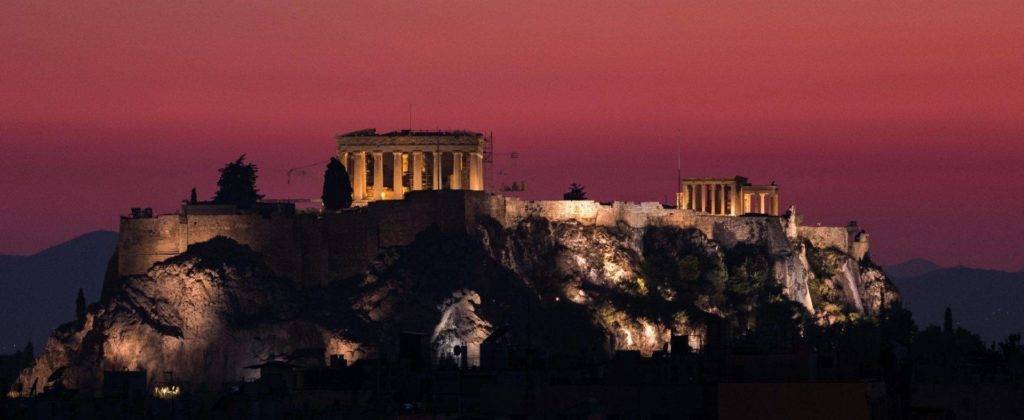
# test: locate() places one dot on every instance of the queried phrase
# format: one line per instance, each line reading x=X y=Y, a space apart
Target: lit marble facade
x=385 y=166
x=728 y=196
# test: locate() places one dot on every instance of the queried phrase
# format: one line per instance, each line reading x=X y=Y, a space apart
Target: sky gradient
x=908 y=118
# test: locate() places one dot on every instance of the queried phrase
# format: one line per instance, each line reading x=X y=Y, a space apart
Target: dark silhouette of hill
x=986 y=302
x=911 y=268
x=37 y=292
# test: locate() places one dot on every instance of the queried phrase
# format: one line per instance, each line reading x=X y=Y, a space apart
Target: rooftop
x=372 y=132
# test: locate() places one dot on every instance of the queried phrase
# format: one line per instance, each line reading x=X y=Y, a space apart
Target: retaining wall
x=315 y=248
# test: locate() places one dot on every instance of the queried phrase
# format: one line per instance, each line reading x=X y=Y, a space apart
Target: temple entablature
x=728 y=196
x=386 y=166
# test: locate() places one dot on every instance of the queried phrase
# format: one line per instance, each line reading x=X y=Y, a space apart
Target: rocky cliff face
x=574 y=291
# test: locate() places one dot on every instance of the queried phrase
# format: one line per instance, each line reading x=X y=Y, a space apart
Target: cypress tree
x=80 y=306
x=28 y=353
x=337 y=192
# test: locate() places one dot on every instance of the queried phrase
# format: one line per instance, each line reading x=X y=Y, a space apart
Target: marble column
x=417 y=171
x=705 y=199
x=396 y=174
x=736 y=201
x=359 y=176
x=437 y=170
x=726 y=203
x=715 y=199
x=476 y=171
x=694 y=203
x=456 y=181
x=720 y=192
x=775 y=204
x=698 y=194
x=711 y=198
x=693 y=199
x=762 y=209
x=343 y=157
x=378 y=174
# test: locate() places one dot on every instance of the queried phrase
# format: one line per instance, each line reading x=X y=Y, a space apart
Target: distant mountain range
x=911 y=268
x=37 y=292
x=986 y=302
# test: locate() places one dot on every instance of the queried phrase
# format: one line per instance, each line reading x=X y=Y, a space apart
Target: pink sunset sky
x=908 y=118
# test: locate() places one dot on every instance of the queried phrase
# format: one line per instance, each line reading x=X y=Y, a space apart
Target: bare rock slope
x=573 y=290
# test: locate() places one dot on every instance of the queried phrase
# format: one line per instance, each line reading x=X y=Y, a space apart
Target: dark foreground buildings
x=512 y=382
x=723 y=382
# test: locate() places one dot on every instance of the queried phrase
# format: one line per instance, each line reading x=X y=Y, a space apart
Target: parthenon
x=728 y=196
x=410 y=160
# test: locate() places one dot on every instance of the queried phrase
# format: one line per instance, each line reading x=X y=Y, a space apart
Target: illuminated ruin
x=728 y=196
x=386 y=166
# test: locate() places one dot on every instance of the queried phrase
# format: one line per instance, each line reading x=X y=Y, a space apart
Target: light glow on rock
x=459 y=325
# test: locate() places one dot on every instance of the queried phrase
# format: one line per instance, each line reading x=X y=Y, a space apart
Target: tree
x=337 y=192
x=80 y=306
x=193 y=198
x=575 y=193
x=237 y=184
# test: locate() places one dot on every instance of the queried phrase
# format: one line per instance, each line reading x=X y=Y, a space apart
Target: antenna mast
x=679 y=177
x=679 y=168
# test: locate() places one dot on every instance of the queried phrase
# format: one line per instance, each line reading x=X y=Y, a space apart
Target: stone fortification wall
x=143 y=242
x=146 y=241
x=307 y=247
x=511 y=210
x=727 y=230
x=860 y=246
x=315 y=248
x=826 y=236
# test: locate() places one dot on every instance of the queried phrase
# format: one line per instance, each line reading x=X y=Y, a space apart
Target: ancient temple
x=386 y=166
x=728 y=196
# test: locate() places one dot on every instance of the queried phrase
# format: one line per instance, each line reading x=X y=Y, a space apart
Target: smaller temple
x=386 y=166
x=728 y=196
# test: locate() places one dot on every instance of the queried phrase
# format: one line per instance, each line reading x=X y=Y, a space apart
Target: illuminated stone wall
x=727 y=230
x=826 y=236
x=315 y=248
x=306 y=247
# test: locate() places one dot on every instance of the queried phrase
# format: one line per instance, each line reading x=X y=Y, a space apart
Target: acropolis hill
x=426 y=249
x=315 y=248
x=442 y=186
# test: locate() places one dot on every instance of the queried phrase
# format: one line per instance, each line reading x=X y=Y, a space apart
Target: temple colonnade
x=728 y=197
x=386 y=166
x=389 y=175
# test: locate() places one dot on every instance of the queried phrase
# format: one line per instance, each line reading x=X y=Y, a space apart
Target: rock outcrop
x=573 y=290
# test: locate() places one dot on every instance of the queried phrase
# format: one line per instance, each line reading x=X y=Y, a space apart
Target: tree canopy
x=337 y=192
x=575 y=193
x=237 y=184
